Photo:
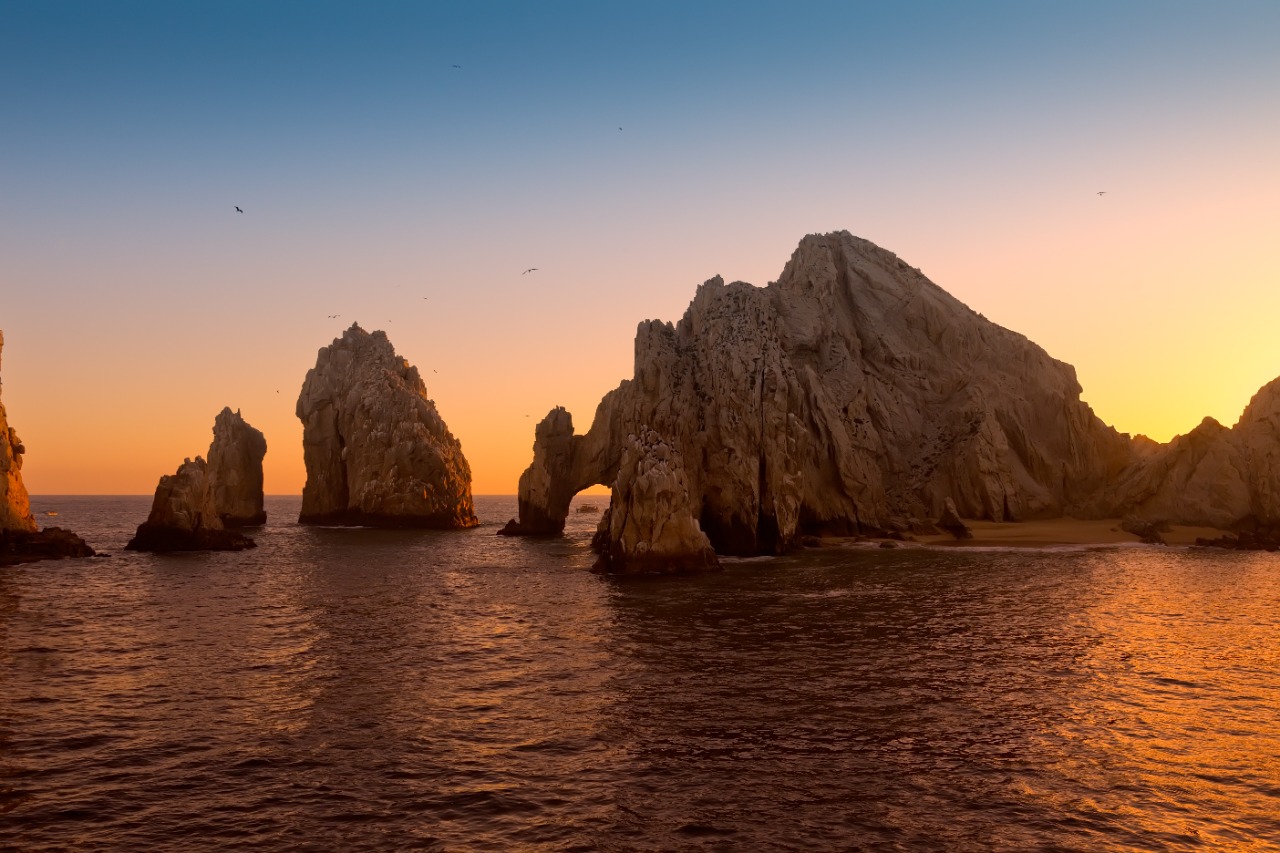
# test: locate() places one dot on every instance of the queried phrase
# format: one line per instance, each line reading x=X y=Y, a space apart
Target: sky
x=400 y=164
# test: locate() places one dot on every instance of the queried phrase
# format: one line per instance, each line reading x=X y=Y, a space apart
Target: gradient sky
x=383 y=184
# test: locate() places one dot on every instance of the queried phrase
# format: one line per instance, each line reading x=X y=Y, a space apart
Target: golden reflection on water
x=1175 y=730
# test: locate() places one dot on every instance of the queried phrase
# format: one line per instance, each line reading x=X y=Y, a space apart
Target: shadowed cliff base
x=853 y=395
x=160 y=538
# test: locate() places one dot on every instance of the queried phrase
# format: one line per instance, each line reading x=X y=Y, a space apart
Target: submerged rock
x=650 y=527
x=850 y=392
x=235 y=470
x=376 y=450
x=184 y=517
x=51 y=543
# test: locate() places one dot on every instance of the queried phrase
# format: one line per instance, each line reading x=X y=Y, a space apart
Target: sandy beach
x=1047 y=533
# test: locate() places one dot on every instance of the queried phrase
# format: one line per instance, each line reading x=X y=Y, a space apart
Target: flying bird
x=1102 y=192
x=238 y=210
x=529 y=270
x=457 y=66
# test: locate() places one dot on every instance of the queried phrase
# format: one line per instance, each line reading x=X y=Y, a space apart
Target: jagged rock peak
x=235 y=470
x=851 y=392
x=184 y=516
x=376 y=450
x=15 y=504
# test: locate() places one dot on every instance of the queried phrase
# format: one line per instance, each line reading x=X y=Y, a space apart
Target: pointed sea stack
x=376 y=450
x=184 y=517
x=235 y=470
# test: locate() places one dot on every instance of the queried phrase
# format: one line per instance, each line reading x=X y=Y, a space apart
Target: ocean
x=356 y=689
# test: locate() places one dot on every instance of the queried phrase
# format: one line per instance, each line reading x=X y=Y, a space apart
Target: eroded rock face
x=184 y=517
x=1227 y=478
x=20 y=539
x=15 y=505
x=235 y=470
x=376 y=450
x=851 y=392
x=650 y=526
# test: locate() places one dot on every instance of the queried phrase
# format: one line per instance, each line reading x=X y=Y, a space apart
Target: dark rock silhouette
x=184 y=517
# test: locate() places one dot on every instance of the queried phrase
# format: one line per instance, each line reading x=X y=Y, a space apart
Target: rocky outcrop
x=20 y=539
x=184 y=517
x=1215 y=476
x=951 y=523
x=51 y=543
x=376 y=450
x=235 y=470
x=15 y=506
x=850 y=393
x=650 y=527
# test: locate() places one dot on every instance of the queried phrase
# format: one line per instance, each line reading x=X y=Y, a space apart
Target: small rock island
x=377 y=452
x=194 y=507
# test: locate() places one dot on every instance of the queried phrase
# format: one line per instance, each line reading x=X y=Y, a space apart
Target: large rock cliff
x=376 y=450
x=851 y=392
x=235 y=470
x=184 y=516
x=20 y=540
x=15 y=506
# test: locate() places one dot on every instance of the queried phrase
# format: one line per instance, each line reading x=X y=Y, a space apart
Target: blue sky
x=383 y=184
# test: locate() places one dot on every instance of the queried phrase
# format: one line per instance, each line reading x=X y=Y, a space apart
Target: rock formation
x=235 y=470
x=184 y=517
x=1227 y=478
x=951 y=523
x=850 y=393
x=15 y=506
x=650 y=526
x=20 y=539
x=376 y=451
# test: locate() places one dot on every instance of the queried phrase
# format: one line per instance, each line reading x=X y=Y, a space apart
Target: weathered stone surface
x=651 y=528
x=850 y=392
x=184 y=517
x=951 y=523
x=20 y=540
x=376 y=450
x=235 y=470
x=15 y=506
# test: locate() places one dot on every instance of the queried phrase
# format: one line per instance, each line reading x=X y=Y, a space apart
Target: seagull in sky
x=457 y=66
x=1102 y=192
x=529 y=270
x=238 y=210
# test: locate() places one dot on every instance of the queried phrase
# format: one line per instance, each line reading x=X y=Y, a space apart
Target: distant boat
x=50 y=512
x=588 y=508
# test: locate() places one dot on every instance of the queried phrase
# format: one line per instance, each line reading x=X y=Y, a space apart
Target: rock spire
x=376 y=450
x=235 y=470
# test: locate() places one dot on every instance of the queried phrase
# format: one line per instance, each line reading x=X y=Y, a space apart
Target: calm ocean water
x=341 y=689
